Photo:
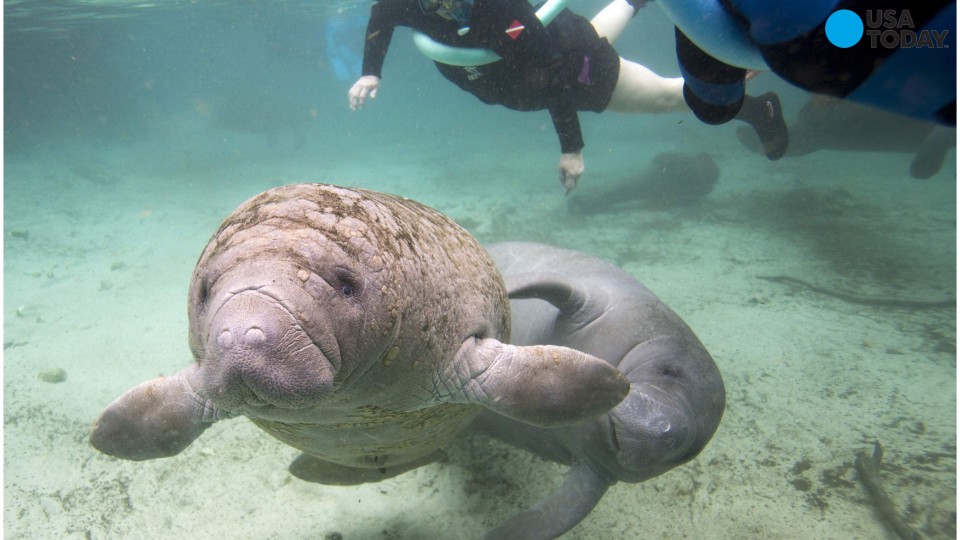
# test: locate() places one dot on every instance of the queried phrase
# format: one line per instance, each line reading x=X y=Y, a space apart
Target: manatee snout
x=675 y=403
x=651 y=437
x=258 y=355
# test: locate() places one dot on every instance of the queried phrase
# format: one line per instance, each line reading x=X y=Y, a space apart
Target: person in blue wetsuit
x=342 y=54
x=910 y=70
x=566 y=66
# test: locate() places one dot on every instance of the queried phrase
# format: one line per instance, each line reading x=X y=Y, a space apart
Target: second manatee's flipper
x=158 y=418
x=542 y=385
x=552 y=288
x=558 y=512
x=312 y=469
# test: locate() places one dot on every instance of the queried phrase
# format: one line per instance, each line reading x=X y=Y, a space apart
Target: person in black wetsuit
x=915 y=78
x=565 y=67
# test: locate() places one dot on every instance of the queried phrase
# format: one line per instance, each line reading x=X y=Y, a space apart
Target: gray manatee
x=364 y=329
x=676 y=398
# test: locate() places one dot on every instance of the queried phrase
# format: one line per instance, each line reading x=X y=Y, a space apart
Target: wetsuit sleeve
x=385 y=16
x=567 y=125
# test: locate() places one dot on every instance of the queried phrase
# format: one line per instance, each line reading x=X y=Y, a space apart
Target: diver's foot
x=765 y=116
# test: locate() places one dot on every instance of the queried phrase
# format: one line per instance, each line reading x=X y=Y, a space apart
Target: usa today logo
x=887 y=28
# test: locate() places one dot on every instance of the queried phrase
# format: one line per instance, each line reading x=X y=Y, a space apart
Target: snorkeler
x=900 y=60
x=566 y=66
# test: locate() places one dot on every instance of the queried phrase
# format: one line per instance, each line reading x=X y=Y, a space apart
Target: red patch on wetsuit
x=514 y=29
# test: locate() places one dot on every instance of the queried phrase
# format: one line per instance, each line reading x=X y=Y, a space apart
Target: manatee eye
x=346 y=282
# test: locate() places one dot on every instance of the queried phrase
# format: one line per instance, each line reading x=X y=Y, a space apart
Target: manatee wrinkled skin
x=364 y=329
x=676 y=398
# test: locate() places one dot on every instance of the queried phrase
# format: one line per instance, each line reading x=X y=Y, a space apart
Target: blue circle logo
x=844 y=28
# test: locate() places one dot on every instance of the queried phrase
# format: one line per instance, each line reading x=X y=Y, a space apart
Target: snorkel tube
x=462 y=56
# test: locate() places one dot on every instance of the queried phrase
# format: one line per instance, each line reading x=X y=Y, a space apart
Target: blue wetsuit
x=344 y=56
x=791 y=38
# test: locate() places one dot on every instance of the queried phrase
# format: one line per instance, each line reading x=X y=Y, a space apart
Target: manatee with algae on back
x=365 y=329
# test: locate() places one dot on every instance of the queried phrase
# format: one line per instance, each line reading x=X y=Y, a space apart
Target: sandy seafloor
x=100 y=240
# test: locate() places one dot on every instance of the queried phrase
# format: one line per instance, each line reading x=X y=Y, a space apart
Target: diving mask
x=458 y=10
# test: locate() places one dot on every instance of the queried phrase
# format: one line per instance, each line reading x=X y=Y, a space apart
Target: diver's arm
x=366 y=86
x=570 y=169
x=567 y=124
x=536 y=52
x=385 y=15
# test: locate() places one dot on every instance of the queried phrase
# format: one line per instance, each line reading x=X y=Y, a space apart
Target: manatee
x=364 y=329
x=676 y=398
x=672 y=179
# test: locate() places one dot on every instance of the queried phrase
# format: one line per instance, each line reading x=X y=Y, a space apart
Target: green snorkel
x=460 y=56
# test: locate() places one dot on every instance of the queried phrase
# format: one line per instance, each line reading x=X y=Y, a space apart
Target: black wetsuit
x=563 y=67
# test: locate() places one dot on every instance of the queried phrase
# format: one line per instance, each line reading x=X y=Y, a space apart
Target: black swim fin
x=765 y=115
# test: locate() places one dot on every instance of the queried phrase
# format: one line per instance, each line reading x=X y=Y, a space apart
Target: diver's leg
x=612 y=19
x=640 y=90
x=716 y=94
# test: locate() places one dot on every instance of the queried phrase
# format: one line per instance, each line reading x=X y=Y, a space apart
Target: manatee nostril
x=254 y=336
x=225 y=339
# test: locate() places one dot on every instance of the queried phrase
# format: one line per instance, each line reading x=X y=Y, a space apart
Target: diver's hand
x=365 y=86
x=571 y=167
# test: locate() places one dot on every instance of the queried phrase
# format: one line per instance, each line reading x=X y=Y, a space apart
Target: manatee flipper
x=558 y=512
x=158 y=418
x=321 y=471
x=542 y=385
x=553 y=288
